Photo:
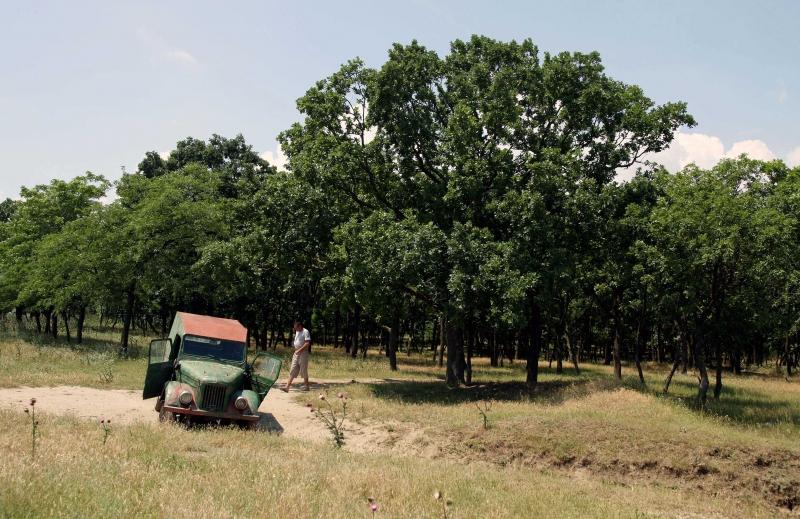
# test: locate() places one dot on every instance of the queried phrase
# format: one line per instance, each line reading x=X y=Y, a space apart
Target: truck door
x=159 y=367
x=265 y=371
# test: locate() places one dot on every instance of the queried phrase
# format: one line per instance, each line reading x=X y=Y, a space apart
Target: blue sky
x=93 y=85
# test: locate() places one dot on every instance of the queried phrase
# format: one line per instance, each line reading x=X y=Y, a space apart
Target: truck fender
x=172 y=391
x=253 y=401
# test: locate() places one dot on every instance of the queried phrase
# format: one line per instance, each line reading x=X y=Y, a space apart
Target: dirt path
x=120 y=405
x=279 y=412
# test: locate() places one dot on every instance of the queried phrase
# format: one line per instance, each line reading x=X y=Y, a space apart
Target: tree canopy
x=466 y=200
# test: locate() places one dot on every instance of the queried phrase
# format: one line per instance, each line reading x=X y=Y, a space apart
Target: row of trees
x=466 y=200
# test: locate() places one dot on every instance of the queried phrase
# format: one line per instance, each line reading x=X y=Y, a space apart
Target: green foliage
x=471 y=193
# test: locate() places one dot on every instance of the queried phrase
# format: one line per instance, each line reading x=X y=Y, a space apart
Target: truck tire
x=166 y=416
x=248 y=425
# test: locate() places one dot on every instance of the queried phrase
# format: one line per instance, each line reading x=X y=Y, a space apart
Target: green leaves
x=32 y=254
x=492 y=158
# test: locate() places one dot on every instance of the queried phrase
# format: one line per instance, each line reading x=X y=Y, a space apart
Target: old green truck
x=200 y=372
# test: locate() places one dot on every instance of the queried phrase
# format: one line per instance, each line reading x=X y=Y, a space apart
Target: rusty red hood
x=212 y=327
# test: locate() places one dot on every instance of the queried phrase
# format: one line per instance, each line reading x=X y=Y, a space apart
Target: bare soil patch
x=280 y=413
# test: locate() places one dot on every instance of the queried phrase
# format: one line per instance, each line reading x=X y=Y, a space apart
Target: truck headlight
x=185 y=397
x=240 y=403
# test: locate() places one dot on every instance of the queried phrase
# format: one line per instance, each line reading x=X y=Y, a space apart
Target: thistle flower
x=27 y=410
x=340 y=395
x=373 y=507
x=33 y=402
x=322 y=397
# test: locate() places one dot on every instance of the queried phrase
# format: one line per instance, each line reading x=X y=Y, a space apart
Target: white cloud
x=704 y=150
x=164 y=50
x=783 y=95
x=110 y=196
x=755 y=149
x=181 y=56
x=275 y=158
x=164 y=154
x=793 y=158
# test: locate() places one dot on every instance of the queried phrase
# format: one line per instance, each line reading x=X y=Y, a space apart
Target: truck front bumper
x=209 y=414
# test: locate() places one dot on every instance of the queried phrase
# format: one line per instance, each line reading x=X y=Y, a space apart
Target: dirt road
x=279 y=412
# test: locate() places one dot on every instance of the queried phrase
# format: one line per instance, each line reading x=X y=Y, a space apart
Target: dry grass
x=579 y=446
x=744 y=447
x=164 y=471
x=49 y=363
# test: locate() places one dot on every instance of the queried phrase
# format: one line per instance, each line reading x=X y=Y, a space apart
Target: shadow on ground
x=437 y=392
x=269 y=424
x=742 y=405
x=745 y=406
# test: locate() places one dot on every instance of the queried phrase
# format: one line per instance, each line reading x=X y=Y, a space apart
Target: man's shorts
x=299 y=364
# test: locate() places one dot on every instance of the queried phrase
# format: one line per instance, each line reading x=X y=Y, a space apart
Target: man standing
x=302 y=343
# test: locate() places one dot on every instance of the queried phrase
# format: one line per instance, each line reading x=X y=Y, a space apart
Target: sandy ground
x=280 y=414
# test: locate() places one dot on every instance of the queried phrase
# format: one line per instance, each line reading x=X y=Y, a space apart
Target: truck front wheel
x=248 y=425
x=165 y=416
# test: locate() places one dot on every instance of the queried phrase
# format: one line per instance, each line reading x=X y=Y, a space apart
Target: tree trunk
x=470 y=345
x=38 y=322
x=718 y=361
x=346 y=335
x=559 y=360
x=637 y=353
x=787 y=356
x=356 y=327
x=18 y=313
x=493 y=348
x=671 y=374
x=336 y=318
x=127 y=317
x=687 y=344
x=700 y=362
x=364 y=344
x=455 y=354
x=391 y=347
x=442 y=339
x=572 y=353
x=617 y=345
x=47 y=321
x=534 y=348
x=434 y=337
x=65 y=315
x=54 y=326
x=678 y=358
x=736 y=361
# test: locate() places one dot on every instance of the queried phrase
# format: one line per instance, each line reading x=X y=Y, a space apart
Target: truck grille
x=213 y=397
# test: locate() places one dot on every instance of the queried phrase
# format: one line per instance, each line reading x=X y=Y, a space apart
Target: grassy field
x=37 y=361
x=579 y=446
x=167 y=471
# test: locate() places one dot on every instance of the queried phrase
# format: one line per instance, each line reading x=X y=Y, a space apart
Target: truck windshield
x=215 y=348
